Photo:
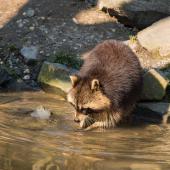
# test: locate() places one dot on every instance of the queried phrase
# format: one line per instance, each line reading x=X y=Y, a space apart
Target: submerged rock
x=54 y=77
x=156 y=38
x=154 y=86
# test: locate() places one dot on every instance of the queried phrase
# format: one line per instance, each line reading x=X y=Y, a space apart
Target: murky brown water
x=30 y=144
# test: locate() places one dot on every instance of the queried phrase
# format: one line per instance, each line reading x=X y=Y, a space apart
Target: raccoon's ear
x=95 y=85
x=74 y=79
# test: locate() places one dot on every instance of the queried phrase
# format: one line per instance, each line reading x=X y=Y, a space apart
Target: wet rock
x=29 y=53
x=4 y=76
x=136 y=12
x=156 y=38
x=54 y=78
x=91 y=2
x=154 y=86
x=159 y=110
x=41 y=113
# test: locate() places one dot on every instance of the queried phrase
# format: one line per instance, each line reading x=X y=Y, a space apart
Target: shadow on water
x=27 y=143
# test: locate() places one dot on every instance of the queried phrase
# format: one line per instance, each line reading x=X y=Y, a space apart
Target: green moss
x=132 y=38
x=68 y=59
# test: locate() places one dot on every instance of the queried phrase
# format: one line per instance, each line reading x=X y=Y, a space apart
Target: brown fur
x=109 y=84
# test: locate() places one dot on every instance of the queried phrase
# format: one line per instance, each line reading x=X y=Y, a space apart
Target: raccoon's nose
x=76 y=120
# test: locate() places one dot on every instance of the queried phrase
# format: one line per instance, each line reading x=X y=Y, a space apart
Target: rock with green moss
x=54 y=77
x=154 y=86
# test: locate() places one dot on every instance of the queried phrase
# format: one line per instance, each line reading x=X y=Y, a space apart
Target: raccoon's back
x=117 y=69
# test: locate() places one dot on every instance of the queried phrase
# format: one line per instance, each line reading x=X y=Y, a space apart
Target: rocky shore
x=41 y=45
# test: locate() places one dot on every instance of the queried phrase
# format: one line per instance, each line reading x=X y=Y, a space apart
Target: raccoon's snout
x=76 y=120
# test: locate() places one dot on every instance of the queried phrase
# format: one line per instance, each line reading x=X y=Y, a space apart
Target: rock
x=165 y=73
x=162 y=110
x=156 y=38
x=140 y=13
x=154 y=86
x=4 y=76
x=54 y=78
x=41 y=113
x=17 y=85
x=29 y=53
x=26 y=71
x=91 y=2
x=30 y=12
x=26 y=77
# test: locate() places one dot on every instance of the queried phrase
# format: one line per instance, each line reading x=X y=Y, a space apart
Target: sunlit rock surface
x=54 y=78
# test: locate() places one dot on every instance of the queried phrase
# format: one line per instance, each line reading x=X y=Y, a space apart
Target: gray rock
x=54 y=78
x=160 y=108
x=142 y=13
x=156 y=38
x=154 y=86
x=4 y=76
x=29 y=53
x=30 y=12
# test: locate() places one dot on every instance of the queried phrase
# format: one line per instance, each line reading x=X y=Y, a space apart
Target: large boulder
x=154 y=86
x=54 y=77
x=156 y=38
x=142 y=13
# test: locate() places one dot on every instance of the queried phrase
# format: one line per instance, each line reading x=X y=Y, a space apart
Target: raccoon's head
x=88 y=99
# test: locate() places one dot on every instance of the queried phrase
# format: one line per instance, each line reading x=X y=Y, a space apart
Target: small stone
x=43 y=18
x=26 y=77
x=29 y=53
x=41 y=52
x=32 y=28
x=26 y=71
x=20 y=25
x=30 y=12
x=113 y=30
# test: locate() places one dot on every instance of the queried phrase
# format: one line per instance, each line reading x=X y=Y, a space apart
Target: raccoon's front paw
x=93 y=126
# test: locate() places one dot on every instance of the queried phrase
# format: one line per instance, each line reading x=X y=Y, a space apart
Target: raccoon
x=107 y=87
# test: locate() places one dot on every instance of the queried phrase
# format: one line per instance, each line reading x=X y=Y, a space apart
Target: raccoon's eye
x=89 y=110
x=86 y=111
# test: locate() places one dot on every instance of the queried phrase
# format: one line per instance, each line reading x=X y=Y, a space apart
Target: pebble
x=26 y=71
x=32 y=28
x=30 y=13
x=29 y=53
x=26 y=77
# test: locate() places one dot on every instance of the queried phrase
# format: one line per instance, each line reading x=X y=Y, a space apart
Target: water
x=56 y=144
